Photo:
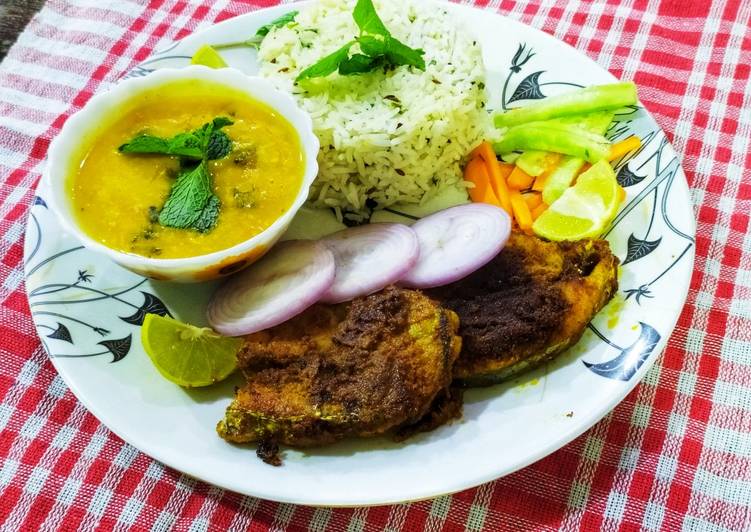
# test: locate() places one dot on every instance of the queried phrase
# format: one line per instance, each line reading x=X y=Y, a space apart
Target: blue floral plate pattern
x=88 y=313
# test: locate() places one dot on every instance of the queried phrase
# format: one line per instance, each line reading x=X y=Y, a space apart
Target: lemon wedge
x=207 y=55
x=187 y=355
x=583 y=210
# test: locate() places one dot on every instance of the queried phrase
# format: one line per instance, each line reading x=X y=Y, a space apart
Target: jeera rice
x=387 y=136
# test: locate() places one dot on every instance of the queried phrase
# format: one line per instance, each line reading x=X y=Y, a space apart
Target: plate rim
x=563 y=439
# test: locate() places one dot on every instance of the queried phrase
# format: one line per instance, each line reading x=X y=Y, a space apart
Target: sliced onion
x=281 y=285
x=456 y=242
x=368 y=258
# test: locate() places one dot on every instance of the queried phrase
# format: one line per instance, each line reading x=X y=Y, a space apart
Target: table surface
x=14 y=15
x=675 y=455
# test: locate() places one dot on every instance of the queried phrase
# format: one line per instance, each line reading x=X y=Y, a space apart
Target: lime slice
x=561 y=178
x=582 y=211
x=187 y=355
x=206 y=55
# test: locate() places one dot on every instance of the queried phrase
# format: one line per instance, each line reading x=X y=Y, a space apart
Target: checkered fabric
x=676 y=454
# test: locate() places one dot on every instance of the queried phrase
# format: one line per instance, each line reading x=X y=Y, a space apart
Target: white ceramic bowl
x=66 y=151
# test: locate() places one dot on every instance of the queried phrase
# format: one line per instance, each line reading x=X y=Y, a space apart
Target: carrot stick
x=519 y=179
x=476 y=173
x=621 y=194
x=506 y=169
x=540 y=182
x=497 y=181
x=619 y=149
x=537 y=211
x=521 y=211
x=475 y=152
x=533 y=199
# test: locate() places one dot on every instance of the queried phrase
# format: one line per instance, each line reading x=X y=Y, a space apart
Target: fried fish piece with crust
x=362 y=368
x=529 y=304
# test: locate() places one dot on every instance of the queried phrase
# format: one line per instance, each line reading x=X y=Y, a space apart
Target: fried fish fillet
x=527 y=305
x=362 y=368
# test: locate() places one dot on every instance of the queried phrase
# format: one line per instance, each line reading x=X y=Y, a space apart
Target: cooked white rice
x=394 y=137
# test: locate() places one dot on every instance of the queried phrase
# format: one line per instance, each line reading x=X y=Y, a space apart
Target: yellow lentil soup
x=117 y=196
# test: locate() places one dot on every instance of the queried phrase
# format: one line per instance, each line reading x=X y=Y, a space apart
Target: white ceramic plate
x=88 y=313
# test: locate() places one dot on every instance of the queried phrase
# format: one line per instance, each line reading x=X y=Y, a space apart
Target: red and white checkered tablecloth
x=675 y=455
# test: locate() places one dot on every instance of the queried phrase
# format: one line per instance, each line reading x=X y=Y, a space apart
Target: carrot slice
x=500 y=186
x=506 y=169
x=519 y=179
x=476 y=173
x=497 y=181
x=533 y=199
x=619 y=149
x=540 y=182
x=537 y=211
x=476 y=151
x=521 y=211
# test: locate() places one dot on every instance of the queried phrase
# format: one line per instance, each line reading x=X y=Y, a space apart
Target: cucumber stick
x=582 y=101
x=560 y=138
x=536 y=162
x=533 y=162
x=510 y=157
x=597 y=122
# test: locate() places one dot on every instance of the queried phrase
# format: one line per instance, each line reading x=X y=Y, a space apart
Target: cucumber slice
x=533 y=162
x=510 y=157
x=560 y=138
x=597 y=122
x=587 y=100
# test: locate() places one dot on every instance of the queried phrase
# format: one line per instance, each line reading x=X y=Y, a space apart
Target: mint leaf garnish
x=367 y=18
x=276 y=23
x=189 y=195
x=219 y=145
x=193 y=145
x=184 y=145
x=372 y=45
x=191 y=203
x=378 y=47
x=399 y=53
x=358 y=64
x=264 y=30
x=327 y=65
x=209 y=215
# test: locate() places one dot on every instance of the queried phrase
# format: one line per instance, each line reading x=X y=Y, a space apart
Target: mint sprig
x=276 y=23
x=255 y=41
x=328 y=64
x=378 y=48
x=191 y=203
x=191 y=200
x=207 y=140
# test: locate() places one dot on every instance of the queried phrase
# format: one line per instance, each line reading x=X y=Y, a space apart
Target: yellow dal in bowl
x=115 y=195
